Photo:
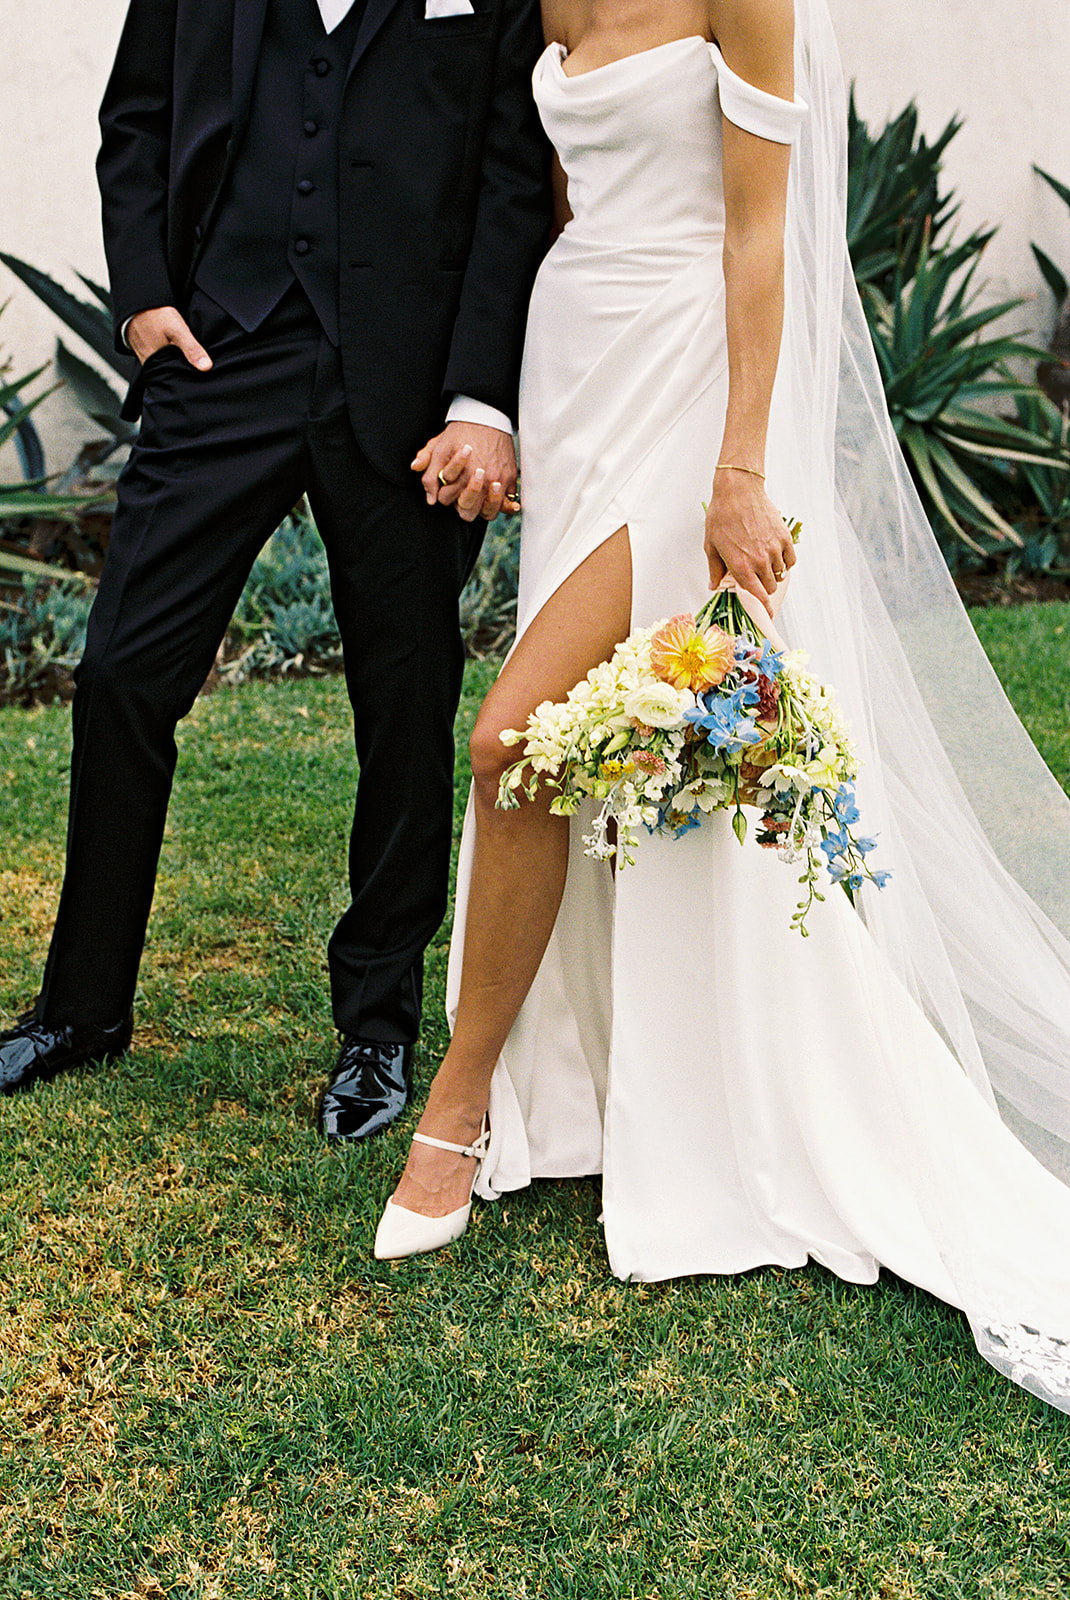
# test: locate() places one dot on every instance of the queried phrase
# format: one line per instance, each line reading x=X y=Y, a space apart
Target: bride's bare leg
x=518 y=871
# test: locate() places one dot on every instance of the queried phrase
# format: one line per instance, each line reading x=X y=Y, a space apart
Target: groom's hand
x=149 y=331
x=469 y=466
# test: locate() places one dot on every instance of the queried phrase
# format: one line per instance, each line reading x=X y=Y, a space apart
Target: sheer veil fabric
x=978 y=925
x=976 y=922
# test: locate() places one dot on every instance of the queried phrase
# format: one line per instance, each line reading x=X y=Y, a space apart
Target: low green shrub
x=284 y=621
x=42 y=636
x=488 y=603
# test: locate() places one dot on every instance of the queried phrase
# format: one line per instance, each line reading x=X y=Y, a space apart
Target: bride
x=894 y=1090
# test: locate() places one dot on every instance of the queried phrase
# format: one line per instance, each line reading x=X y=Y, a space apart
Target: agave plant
x=91 y=320
x=1044 y=517
x=28 y=497
x=946 y=384
x=42 y=636
x=1053 y=374
x=894 y=200
x=488 y=601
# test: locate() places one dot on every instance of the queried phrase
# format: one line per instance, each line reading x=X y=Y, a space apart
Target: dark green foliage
x=1043 y=519
x=488 y=603
x=284 y=622
x=937 y=366
x=27 y=498
x=947 y=375
x=894 y=204
x=91 y=320
x=285 y=619
x=42 y=635
x=1053 y=277
x=1053 y=374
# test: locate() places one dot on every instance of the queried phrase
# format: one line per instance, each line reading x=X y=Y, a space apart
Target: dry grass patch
x=28 y=902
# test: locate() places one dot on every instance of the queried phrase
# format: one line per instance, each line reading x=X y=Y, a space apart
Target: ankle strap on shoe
x=477 y=1150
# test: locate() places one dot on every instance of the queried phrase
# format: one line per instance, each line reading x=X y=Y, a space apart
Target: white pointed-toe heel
x=408 y=1233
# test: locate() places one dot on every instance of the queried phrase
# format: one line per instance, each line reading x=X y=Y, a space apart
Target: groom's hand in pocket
x=150 y=331
x=469 y=466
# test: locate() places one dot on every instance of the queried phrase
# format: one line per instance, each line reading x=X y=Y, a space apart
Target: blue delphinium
x=843 y=804
x=836 y=844
x=724 y=721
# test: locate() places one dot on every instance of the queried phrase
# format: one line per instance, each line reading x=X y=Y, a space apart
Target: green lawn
x=212 y=1390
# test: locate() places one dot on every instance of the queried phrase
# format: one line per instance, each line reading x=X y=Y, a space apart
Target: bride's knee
x=489 y=756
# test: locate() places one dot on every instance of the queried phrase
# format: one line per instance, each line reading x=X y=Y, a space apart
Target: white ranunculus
x=658 y=705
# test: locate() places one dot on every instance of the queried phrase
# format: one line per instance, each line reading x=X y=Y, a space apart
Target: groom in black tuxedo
x=322 y=220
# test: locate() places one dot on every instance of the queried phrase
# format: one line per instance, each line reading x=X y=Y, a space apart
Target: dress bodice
x=640 y=139
x=620 y=128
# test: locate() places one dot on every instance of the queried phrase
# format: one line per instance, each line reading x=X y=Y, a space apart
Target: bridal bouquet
x=696 y=715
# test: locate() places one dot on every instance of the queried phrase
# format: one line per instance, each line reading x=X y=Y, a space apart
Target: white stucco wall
x=1004 y=68
x=1003 y=65
x=54 y=62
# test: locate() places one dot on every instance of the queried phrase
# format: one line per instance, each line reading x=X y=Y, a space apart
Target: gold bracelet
x=728 y=466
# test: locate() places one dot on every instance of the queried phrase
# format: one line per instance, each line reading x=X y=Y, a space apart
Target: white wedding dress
x=749 y=1096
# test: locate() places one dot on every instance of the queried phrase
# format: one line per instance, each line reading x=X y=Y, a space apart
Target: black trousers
x=221 y=458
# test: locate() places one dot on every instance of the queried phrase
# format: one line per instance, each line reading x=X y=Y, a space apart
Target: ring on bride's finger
x=442 y=478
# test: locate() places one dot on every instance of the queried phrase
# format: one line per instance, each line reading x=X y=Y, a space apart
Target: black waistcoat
x=279 y=216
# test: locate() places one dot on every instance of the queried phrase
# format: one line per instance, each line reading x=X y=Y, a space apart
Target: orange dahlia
x=689 y=657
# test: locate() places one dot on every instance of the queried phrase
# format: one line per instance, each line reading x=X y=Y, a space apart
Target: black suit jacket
x=443 y=191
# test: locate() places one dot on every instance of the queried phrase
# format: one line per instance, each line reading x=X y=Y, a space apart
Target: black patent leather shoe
x=31 y=1052
x=367 y=1089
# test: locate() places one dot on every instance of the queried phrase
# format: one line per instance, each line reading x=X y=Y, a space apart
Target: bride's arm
x=745 y=535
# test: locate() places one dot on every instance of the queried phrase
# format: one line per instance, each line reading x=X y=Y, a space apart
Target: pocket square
x=448 y=8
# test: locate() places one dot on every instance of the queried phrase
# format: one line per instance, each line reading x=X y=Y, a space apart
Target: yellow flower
x=690 y=658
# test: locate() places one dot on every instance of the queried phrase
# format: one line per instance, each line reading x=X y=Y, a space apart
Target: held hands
x=149 y=331
x=471 y=467
x=747 y=540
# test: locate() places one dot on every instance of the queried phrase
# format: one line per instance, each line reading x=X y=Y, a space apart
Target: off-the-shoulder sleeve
x=753 y=110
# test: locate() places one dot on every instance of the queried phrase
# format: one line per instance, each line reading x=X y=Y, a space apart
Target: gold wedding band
x=442 y=478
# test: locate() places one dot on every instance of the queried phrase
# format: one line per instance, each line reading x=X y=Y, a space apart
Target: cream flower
x=658 y=705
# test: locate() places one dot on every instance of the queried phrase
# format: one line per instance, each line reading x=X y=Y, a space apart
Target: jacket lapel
x=375 y=14
x=248 y=32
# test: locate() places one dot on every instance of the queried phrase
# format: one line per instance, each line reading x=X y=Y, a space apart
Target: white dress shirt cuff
x=464 y=409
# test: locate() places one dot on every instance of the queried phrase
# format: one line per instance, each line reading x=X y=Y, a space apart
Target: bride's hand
x=747 y=539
